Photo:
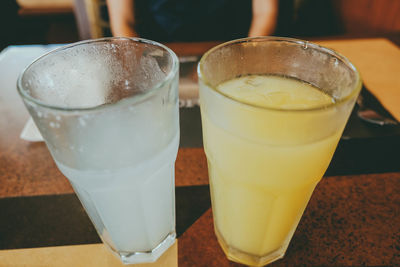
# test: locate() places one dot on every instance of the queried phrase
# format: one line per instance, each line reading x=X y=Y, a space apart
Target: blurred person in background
x=192 y=20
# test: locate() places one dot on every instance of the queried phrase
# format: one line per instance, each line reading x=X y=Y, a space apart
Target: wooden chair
x=371 y=17
x=92 y=18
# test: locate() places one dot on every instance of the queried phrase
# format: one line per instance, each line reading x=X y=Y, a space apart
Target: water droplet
x=82 y=122
x=127 y=86
x=58 y=117
x=336 y=62
x=113 y=48
x=40 y=114
x=52 y=124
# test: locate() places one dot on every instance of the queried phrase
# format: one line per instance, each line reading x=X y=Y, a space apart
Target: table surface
x=353 y=217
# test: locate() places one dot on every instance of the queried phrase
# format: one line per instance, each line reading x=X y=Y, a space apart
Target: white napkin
x=31 y=132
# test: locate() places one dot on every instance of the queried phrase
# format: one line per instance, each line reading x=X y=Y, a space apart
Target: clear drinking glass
x=108 y=112
x=264 y=162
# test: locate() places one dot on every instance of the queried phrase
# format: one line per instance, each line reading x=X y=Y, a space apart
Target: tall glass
x=264 y=162
x=108 y=112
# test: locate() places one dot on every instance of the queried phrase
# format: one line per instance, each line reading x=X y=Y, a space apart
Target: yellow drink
x=261 y=187
x=269 y=136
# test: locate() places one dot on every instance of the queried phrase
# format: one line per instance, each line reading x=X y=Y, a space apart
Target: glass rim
x=136 y=98
x=355 y=90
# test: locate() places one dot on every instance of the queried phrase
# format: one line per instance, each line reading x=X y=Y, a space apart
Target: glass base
x=242 y=257
x=149 y=256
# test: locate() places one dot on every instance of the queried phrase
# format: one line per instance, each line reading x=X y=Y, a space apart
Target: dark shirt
x=192 y=20
x=202 y=20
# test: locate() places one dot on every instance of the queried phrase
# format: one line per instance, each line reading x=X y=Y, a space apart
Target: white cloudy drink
x=132 y=208
x=108 y=112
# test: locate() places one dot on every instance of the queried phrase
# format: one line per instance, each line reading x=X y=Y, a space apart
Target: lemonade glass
x=265 y=161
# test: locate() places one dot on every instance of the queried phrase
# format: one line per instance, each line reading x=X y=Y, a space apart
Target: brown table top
x=351 y=219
